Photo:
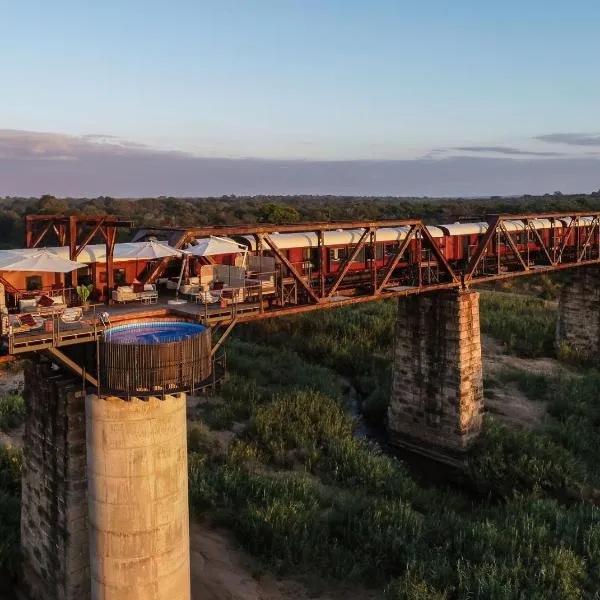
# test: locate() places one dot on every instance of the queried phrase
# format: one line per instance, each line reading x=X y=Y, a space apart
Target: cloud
x=35 y=163
x=27 y=145
x=572 y=139
x=506 y=150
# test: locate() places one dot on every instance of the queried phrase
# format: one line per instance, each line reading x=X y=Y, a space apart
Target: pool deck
x=91 y=327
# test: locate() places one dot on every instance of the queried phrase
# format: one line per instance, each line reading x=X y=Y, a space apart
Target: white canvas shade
x=41 y=261
x=151 y=251
x=214 y=245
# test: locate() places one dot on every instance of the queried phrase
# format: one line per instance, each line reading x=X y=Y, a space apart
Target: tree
x=277 y=213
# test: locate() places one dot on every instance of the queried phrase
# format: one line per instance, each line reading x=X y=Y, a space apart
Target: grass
x=302 y=494
x=525 y=325
x=12 y=411
x=10 y=511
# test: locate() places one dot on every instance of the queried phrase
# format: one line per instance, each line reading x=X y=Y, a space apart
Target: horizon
x=328 y=98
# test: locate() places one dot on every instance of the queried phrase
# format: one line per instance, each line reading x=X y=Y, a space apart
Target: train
x=456 y=242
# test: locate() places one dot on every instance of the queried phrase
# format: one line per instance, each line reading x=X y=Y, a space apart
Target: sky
x=385 y=97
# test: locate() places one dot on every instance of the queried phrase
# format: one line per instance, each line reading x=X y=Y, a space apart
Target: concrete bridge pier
x=437 y=390
x=578 y=324
x=138 y=498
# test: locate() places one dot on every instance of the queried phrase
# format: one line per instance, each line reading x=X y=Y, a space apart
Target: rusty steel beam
x=394 y=262
x=80 y=246
x=481 y=249
x=590 y=233
x=566 y=238
x=348 y=262
x=159 y=269
x=512 y=245
x=540 y=241
x=223 y=337
x=269 y=241
x=41 y=235
x=438 y=253
x=264 y=228
x=322 y=254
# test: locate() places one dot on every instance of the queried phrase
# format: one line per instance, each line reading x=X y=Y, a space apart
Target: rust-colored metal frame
x=552 y=255
x=77 y=232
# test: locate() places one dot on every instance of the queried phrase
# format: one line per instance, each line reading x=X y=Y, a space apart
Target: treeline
x=231 y=210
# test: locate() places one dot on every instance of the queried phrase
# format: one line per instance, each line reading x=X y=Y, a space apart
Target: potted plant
x=84 y=291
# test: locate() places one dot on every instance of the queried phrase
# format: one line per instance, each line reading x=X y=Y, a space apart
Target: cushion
x=27 y=303
x=138 y=287
x=125 y=289
x=45 y=301
x=194 y=280
x=58 y=300
x=149 y=287
x=27 y=320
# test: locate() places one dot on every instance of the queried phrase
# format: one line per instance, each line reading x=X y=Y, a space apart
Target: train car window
x=306 y=253
x=523 y=237
x=465 y=244
x=391 y=249
x=378 y=251
x=314 y=256
x=33 y=282
x=337 y=254
x=360 y=257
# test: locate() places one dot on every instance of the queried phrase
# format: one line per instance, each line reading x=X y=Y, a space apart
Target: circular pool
x=154 y=358
x=154 y=332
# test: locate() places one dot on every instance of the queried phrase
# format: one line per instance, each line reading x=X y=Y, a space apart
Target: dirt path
x=221 y=570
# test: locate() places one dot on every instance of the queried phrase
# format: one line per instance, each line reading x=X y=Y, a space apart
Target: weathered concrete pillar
x=437 y=388
x=54 y=536
x=138 y=498
x=578 y=324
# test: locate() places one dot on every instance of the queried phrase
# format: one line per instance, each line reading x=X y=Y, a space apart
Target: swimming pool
x=153 y=332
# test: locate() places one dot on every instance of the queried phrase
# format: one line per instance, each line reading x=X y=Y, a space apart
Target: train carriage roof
x=338 y=237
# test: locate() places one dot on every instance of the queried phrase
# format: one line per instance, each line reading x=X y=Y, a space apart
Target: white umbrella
x=150 y=251
x=215 y=245
x=211 y=246
x=41 y=261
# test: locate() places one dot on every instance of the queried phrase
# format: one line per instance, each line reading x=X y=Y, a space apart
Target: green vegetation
x=12 y=410
x=10 y=513
x=231 y=210
x=525 y=325
x=303 y=495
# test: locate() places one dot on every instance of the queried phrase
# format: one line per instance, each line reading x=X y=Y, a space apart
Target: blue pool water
x=154 y=332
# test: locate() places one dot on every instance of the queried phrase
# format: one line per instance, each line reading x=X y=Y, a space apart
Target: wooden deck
x=91 y=327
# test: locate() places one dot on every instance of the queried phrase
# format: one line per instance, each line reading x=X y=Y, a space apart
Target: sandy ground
x=508 y=403
x=221 y=570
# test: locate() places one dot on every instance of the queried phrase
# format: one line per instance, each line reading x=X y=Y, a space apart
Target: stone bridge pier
x=104 y=512
x=578 y=324
x=436 y=402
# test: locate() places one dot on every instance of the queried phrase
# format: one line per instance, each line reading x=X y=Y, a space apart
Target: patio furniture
x=24 y=323
x=145 y=293
x=42 y=304
x=206 y=296
x=71 y=318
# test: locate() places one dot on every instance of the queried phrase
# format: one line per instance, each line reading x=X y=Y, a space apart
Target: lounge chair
x=207 y=296
x=71 y=318
x=25 y=323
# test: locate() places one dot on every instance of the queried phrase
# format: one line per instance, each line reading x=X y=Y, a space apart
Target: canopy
x=42 y=261
x=215 y=245
x=150 y=251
